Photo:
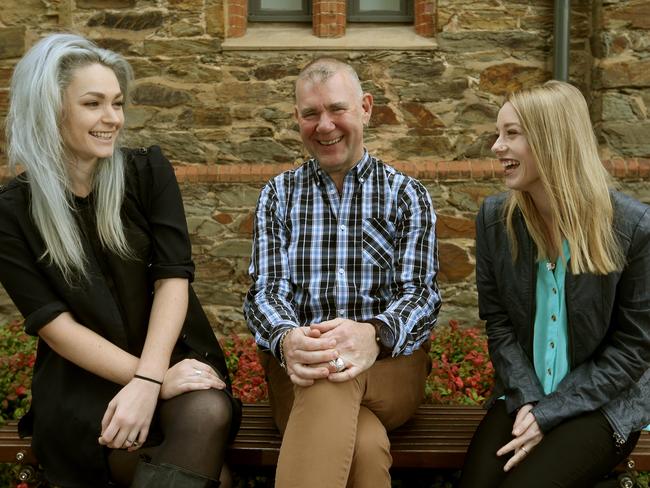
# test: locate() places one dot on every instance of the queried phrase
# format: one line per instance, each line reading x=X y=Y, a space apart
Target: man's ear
x=295 y=112
x=366 y=105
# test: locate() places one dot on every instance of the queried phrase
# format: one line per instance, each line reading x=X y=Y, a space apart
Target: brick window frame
x=329 y=18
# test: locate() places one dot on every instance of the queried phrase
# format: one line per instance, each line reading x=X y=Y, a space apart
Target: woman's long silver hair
x=34 y=142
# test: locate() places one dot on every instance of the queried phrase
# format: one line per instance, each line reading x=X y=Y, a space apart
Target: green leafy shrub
x=246 y=372
x=17 y=355
x=461 y=372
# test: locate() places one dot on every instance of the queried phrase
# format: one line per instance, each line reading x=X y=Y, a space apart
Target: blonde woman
x=563 y=274
x=95 y=253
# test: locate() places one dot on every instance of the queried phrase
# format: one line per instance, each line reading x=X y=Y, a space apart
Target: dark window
x=380 y=11
x=279 y=10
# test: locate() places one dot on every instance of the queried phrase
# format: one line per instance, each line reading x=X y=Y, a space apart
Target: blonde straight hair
x=34 y=142
x=555 y=119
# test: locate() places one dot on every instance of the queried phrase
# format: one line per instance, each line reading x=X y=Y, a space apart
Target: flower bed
x=461 y=374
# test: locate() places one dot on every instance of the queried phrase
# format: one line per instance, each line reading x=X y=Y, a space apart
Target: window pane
x=370 y=5
x=281 y=4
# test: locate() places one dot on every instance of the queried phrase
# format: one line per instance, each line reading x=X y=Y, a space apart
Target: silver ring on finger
x=524 y=449
x=338 y=364
x=135 y=444
x=198 y=372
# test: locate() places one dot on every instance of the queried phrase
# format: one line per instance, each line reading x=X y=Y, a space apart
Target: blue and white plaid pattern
x=369 y=252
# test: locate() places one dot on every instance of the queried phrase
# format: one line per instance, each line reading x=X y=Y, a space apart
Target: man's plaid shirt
x=369 y=252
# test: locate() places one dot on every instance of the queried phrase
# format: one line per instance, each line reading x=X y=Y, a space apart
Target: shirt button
x=360 y=180
x=342 y=227
x=553 y=318
x=341 y=313
x=341 y=271
x=552 y=345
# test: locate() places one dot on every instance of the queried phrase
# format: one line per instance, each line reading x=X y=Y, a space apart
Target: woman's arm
x=514 y=368
x=92 y=352
x=88 y=350
x=165 y=322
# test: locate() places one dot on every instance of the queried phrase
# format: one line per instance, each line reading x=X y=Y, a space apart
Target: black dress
x=69 y=402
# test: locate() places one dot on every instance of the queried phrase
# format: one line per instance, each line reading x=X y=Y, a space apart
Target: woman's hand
x=127 y=419
x=189 y=375
x=527 y=435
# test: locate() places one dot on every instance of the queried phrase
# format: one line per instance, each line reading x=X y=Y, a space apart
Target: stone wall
x=224 y=116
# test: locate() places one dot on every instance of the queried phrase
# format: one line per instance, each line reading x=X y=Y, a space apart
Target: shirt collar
x=361 y=170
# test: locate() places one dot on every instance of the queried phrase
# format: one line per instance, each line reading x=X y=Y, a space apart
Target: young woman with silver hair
x=563 y=275
x=95 y=253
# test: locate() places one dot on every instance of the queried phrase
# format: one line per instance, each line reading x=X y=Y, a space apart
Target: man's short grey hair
x=321 y=69
x=34 y=142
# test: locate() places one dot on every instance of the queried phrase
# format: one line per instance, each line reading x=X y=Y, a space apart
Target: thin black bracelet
x=147 y=379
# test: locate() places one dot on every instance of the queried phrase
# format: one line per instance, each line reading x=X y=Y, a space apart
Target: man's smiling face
x=331 y=114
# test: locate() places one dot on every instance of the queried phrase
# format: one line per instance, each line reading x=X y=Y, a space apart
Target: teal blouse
x=550 y=339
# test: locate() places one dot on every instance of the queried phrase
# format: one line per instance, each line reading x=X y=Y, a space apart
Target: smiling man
x=344 y=292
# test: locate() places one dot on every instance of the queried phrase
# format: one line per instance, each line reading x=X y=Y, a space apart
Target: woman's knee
x=204 y=411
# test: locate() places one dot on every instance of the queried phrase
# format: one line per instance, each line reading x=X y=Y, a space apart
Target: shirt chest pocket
x=378 y=242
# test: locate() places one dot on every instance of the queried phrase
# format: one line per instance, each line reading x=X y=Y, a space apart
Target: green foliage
x=461 y=371
x=17 y=355
x=461 y=374
x=246 y=372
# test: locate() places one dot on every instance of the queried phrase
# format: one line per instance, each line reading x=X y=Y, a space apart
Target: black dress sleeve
x=20 y=248
x=160 y=199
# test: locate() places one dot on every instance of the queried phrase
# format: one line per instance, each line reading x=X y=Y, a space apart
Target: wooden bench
x=435 y=438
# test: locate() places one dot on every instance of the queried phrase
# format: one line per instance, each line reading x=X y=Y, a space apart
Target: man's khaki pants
x=334 y=434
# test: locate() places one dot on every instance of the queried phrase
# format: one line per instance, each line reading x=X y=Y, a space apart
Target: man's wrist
x=384 y=338
x=280 y=355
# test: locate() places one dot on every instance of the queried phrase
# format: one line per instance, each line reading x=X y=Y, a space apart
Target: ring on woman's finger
x=135 y=444
x=524 y=449
x=198 y=372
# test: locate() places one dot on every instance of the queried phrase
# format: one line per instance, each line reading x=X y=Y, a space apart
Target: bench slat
x=436 y=437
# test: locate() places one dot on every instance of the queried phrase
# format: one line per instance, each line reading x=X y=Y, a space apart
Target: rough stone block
x=159 y=95
x=4 y=102
x=383 y=115
x=617 y=106
x=105 y=3
x=632 y=14
x=187 y=28
x=417 y=115
x=449 y=226
x=181 y=47
x=507 y=77
x=472 y=42
x=12 y=42
x=275 y=71
x=416 y=69
x=422 y=146
x=147 y=19
x=233 y=248
x=210 y=117
x=455 y=264
x=628 y=73
x=434 y=91
x=628 y=138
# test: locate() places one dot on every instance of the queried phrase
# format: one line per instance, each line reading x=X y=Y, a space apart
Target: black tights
x=195 y=427
x=577 y=453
